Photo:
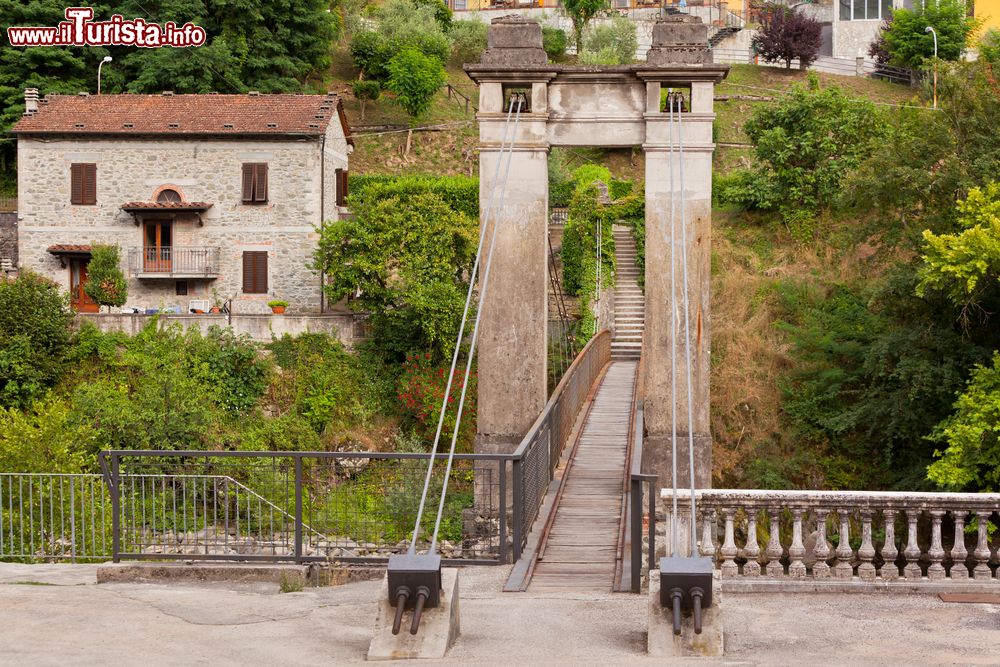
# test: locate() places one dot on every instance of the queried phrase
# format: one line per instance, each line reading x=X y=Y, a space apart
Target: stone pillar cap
x=514 y=40
x=679 y=40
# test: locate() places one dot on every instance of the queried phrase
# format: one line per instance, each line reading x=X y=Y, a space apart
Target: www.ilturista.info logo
x=79 y=30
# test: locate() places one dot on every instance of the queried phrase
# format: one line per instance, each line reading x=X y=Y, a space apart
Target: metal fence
x=301 y=506
x=538 y=454
x=54 y=517
x=862 y=67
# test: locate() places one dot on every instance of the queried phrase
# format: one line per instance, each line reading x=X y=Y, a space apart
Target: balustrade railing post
x=936 y=572
x=774 y=549
x=708 y=527
x=728 y=550
x=636 y=529
x=959 y=553
x=866 y=553
x=821 y=551
x=843 y=569
x=889 y=571
x=652 y=524
x=912 y=550
x=752 y=549
x=502 y=467
x=797 y=550
x=982 y=552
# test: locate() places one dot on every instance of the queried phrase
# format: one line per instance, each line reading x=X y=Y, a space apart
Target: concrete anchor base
x=661 y=640
x=439 y=627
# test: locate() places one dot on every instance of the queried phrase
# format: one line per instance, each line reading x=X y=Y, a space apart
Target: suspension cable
x=687 y=326
x=475 y=328
x=461 y=330
x=673 y=322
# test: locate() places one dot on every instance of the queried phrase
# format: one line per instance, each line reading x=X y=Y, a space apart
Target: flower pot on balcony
x=278 y=306
x=215 y=310
x=278 y=310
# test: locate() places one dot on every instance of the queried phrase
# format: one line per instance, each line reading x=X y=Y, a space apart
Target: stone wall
x=202 y=171
x=8 y=237
x=261 y=328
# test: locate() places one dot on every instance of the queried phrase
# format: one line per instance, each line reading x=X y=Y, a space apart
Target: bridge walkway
x=580 y=548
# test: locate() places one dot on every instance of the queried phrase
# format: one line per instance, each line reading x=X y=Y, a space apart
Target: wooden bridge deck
x=581 y=546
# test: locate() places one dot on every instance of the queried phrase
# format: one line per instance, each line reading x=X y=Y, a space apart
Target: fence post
x=652 y=523
x=115 y=511
x=502 y=467
x=518 y=480
x=298 y=509
x=636 y=511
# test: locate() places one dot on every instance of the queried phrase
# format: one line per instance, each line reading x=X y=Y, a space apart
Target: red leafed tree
x=786 y=34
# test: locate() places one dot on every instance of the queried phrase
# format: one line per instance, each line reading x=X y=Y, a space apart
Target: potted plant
x=216 y=302
x=278 y=306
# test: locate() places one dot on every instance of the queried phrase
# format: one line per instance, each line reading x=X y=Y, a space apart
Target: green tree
x=910 y=45
x=965 y=264
x=366 y=91
x=398 y=25
x=971 y=461
x=787 y=34
x=34 y=336
x=468 y=40
x=408 y=258
x=415 y=78
x=106 y=283
x=611 y=43
x=806 y=144
x=581 y=13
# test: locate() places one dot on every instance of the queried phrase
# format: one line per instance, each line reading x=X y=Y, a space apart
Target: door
x=79 y=300
x=156 y=252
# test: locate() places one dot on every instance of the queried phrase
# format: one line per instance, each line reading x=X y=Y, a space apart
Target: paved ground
x=56 y=615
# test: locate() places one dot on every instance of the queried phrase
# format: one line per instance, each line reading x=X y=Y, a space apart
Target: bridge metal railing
x=298 y=506
x=535 y=459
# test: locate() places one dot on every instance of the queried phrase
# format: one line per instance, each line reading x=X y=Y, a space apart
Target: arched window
x=168 y=197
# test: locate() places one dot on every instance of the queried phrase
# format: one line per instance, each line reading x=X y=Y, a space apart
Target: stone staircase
x=630 y=303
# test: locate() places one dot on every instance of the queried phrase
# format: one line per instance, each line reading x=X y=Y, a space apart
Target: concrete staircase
x=630 y=303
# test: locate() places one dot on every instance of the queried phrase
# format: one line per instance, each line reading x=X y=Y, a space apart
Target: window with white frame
x=864 y=10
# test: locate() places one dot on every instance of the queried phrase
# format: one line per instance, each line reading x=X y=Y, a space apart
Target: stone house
x=209 y=197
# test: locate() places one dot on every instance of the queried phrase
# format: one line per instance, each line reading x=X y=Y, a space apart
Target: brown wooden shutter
x=255 y=272
x=90 y=184
x=76 y=184
x=260 y=182
x=341 y=194
x=248 y=182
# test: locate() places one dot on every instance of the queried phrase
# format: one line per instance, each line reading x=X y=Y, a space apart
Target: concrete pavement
x=55 y=614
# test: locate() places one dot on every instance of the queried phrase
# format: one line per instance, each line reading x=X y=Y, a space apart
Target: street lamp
x=107 y=59
x=934 y=32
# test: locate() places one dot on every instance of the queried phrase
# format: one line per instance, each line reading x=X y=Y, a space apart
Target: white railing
x=865 y=537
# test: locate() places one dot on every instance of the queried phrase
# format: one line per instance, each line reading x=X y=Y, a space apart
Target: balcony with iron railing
x=174 y=262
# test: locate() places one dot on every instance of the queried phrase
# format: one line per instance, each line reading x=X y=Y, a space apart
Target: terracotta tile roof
x=68 y=249
x=150 y=205
x=169 y=114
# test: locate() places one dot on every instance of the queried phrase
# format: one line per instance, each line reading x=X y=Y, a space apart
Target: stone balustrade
x=856 y=536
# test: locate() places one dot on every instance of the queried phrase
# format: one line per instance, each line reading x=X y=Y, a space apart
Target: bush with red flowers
x=421 y=393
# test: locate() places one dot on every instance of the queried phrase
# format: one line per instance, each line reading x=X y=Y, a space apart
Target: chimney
x=30 y=101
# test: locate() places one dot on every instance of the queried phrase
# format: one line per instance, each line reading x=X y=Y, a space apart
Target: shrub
x=106 y=283
x=786 y=34
x=468 y=41
x=554 y=42
x=34 y=336
x=460 y=193
x=989 y=46
x=408 y=256
x=581 y=12
x=415 y=78
x=611 y=43
x=806 y=144
x=44 y=438
x=364 y=92
x=421 y=393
